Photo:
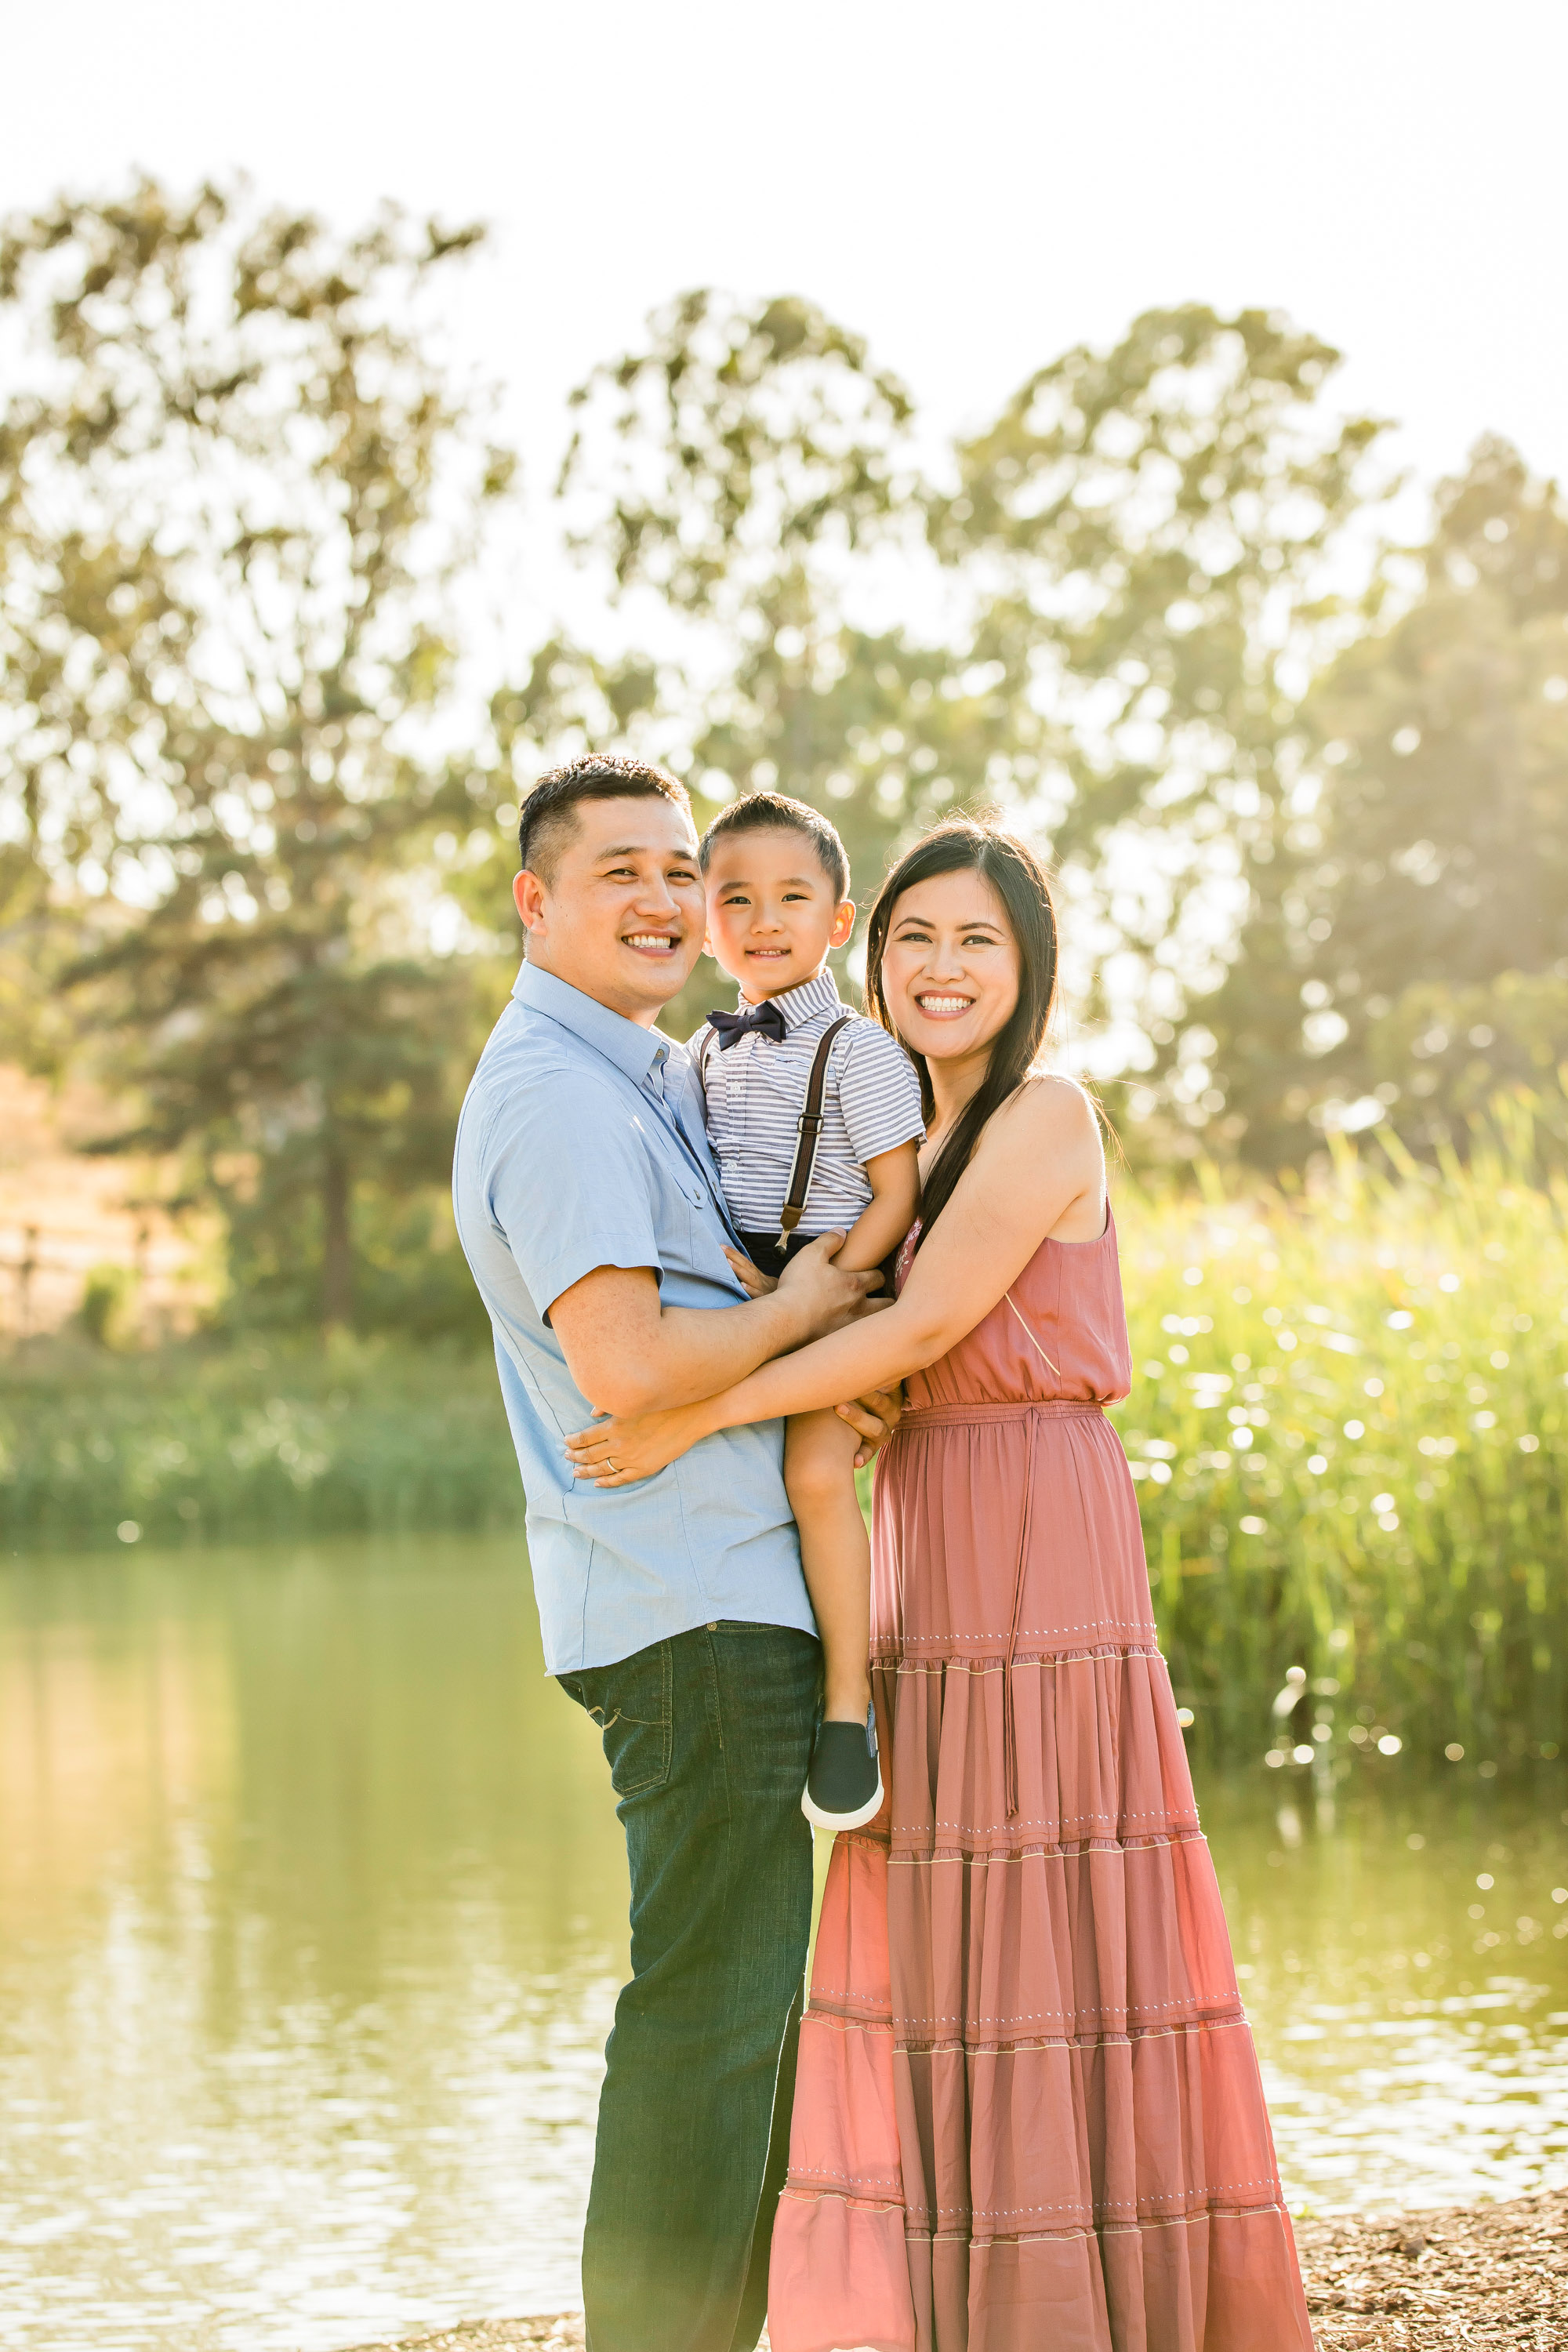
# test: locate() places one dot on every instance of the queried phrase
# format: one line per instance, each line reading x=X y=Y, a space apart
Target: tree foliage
x=731 y=445
x=225 y=546
x=744 y=465
x=1122 y=584
x=1153 y=519
x=1411 y=944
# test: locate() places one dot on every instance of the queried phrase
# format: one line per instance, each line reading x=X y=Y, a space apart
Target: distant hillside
x=67 y=1216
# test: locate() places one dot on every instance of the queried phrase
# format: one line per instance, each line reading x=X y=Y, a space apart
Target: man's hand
x=824 y=1295
x=874 y=1418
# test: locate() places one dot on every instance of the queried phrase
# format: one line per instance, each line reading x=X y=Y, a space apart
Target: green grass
x=254 y=1441
x=1347 y=1427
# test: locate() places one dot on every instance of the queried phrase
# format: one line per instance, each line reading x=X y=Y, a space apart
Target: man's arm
x=568 y=1185
x=627 y=1353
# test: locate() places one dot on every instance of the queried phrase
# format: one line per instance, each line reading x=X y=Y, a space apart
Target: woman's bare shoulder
x=1049 y=1112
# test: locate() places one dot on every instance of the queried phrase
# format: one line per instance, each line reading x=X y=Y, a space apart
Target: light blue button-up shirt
x=581 y=1144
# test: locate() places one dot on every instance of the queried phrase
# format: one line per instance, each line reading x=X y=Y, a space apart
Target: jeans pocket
x=630 y=1702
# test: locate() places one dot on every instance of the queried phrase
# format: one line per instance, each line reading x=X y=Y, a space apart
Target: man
x=673 y=1611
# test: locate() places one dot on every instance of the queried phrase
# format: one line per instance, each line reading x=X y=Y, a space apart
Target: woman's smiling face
x=949 y=969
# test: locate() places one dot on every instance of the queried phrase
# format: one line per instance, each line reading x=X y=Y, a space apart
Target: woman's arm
x=1037 y=1160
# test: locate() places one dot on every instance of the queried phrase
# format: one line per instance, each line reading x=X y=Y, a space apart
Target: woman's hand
x=622 y=1448
x=619 y=1449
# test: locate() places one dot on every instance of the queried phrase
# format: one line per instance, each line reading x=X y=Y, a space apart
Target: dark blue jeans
x=708 y=1738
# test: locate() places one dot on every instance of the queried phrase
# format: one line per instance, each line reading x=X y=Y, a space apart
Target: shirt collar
x=807 y=1002
x=632 y=1048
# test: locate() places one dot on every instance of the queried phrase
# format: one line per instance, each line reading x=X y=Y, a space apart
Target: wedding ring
x=610 y=1465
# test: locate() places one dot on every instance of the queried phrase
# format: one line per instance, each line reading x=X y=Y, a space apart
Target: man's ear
x=528 y=897
x=843 y=923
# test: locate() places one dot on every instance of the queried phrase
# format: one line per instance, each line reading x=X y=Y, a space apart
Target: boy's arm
x=895 y=1181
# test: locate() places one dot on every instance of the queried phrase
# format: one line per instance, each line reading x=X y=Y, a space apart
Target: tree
x=1410 y=949
x=734 y=446
x=757 y=473
x=232 y=501
x=1150 y=527
x=1117 y=645
x=737 y=475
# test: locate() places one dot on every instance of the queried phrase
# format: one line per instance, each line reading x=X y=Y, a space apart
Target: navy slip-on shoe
x=843 y=1787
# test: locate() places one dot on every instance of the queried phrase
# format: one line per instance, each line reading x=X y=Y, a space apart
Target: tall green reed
x=1347 y=1429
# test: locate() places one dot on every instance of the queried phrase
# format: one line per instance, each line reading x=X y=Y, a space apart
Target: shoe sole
x=855 y=1821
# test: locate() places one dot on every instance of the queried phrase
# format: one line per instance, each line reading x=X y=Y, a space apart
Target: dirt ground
x=1482 y=2277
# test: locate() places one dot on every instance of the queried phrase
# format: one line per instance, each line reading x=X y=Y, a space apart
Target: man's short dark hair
x=548 y=819
x=776 y=812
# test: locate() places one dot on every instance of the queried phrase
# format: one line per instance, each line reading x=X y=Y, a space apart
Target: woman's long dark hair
x=974 y=844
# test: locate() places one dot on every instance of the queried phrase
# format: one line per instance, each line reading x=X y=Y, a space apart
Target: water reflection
x=310 y=1922
x=1414 y=2054
x=311 y=1916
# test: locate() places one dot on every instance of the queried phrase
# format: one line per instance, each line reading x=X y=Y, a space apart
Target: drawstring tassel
x=1009 y=1725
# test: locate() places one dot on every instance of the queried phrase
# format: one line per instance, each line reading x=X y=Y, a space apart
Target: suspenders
x=810 y=1133
x=809 y=1123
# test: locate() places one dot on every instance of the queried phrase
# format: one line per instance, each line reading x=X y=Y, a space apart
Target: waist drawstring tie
x=1009 y=1720
x=1009 y=1726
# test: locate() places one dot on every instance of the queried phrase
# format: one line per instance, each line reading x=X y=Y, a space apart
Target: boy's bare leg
x=835 y=1555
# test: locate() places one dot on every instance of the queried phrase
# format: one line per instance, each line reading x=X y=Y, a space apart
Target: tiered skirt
x=1028 y=2115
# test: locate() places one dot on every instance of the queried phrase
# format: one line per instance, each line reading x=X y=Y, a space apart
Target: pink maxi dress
x=1028 y=2117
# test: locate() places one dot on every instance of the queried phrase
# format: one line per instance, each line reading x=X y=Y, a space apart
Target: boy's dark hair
x=776 y=812
x=548 y=818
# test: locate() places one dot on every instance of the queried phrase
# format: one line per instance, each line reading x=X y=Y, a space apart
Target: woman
x=1028 y=2117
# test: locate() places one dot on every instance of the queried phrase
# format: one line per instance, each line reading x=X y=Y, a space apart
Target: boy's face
x=771 y=912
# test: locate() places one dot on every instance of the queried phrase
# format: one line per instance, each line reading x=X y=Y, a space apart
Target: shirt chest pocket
x=682 y=1205
x=777 y=1090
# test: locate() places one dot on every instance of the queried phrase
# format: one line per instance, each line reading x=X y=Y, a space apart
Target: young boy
x=813 y=1113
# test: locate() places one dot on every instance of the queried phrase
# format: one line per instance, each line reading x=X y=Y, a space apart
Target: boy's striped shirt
x=756 y=1091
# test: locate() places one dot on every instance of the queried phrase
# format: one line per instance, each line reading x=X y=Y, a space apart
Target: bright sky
x=975 y=187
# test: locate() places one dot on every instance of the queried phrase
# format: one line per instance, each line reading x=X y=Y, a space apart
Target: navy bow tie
x=763 y=1020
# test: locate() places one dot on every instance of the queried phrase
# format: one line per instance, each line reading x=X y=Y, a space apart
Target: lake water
x=313 y=1916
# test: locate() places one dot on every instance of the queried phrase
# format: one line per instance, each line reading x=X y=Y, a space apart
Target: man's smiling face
x=619 y=912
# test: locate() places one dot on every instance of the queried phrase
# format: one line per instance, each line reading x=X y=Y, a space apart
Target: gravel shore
x=1483 y=2277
